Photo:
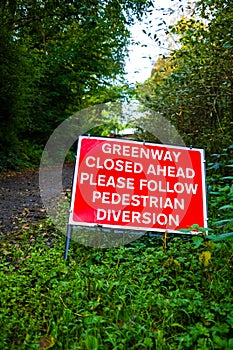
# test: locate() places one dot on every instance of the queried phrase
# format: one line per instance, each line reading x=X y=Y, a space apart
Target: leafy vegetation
x=57 y=58
x=168 y=292
x=157 y=292
x=192 y=86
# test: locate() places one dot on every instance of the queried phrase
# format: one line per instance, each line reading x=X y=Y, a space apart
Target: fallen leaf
x=47 y=342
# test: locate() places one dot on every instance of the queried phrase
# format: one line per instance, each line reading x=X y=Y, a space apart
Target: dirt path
x=20 y=197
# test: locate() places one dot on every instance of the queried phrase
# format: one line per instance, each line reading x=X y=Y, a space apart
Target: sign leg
x=68 y=237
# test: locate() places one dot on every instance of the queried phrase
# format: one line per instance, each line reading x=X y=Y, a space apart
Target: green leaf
x=227 y=206
x=224 y=236
x=197 y=241
x=91 y=342
x=224 y=221
x=178 y=325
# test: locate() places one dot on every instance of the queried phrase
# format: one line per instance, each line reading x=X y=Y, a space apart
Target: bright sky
x=144 y=55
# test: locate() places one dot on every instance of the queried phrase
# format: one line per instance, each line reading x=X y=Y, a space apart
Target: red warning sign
x=142 y=186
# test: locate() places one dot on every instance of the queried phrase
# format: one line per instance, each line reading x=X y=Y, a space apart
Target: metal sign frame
x=90 y=146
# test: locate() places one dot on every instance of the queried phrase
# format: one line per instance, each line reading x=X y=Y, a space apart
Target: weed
x=145 y=295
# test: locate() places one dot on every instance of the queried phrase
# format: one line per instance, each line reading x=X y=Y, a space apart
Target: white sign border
x=134 y=228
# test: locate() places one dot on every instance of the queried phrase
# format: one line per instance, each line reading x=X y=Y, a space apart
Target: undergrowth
x=155 y=293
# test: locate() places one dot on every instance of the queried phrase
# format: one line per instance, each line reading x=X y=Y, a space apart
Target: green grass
x=140 y=296
x=167 y=293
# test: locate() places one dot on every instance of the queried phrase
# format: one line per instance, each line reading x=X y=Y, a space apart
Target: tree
x=74 y=50
x=13 y=96
x=193 y=85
